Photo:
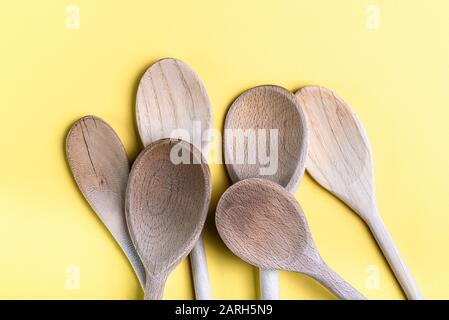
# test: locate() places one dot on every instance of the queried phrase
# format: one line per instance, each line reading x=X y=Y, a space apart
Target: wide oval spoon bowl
x=166 y=206
x=340 y=160
x=172 y=102
x=100 y=166
x=266 y=136
x=268 y=126
x=263 y=224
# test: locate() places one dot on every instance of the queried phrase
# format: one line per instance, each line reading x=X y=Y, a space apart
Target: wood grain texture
x=269 y=107
x=340 y=160
x=171 y=97
x=263 y=224
x=339 y=155
x=166 y=207
x=100 y=167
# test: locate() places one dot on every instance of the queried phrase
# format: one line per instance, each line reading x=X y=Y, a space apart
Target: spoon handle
x=199 y=271
x=391 y=252
x=128 y=248
x=331 y=280
x=154 y=287
x=269 y=284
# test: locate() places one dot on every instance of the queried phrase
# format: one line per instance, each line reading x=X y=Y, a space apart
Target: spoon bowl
x=263 y=224
x=263 y=113
x=339 y=155
x=172 y=102
x=166 y=207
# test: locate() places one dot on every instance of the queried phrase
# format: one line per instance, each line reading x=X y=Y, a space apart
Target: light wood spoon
x=263 y=224
x=172 y=102
x=267 y=107
x=166 y=206
x=340 y=160
x=100 y=167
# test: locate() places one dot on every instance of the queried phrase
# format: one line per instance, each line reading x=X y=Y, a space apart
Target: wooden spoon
x=172 y=102
x=100 y=167
x=263 y=224
x=166 y=206
x=340 y=160
x=267 y=107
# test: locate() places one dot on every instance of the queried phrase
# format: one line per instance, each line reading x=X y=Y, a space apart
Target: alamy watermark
x=372 y=280
x=372 y=22
x=73 y=277
x=243 y=147
x=73 y=17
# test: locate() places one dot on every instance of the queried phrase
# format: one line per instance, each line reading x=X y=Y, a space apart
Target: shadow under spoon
x=166 y=206
x=263 y=224
x=340 y=160
x=100 y=166
x=272 y=116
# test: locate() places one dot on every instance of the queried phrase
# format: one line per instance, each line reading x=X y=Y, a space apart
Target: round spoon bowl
x=166 y=206
x=269 y=116
x=172 y=102
x=262 y=223
x=166 y=202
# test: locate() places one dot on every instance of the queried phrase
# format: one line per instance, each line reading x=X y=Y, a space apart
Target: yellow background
x=396 y=78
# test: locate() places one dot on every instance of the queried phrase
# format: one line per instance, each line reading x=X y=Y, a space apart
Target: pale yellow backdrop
x=388 y=59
